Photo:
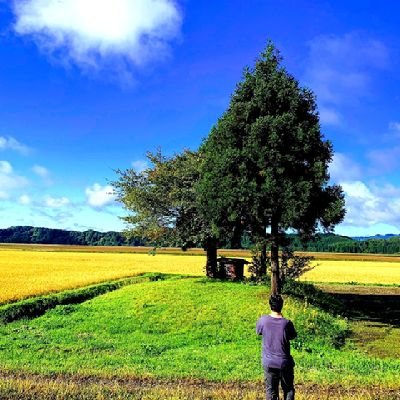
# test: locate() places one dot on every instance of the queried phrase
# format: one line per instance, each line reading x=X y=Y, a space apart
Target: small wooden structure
x=231 y=268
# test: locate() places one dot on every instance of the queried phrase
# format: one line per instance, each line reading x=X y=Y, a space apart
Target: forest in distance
x=332 y=243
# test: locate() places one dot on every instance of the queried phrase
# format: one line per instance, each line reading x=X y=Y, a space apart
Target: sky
x=89 y=86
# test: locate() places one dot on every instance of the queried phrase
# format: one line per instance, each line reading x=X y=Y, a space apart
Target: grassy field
x=186 y=338
x=186 y=328
x=374 y=317
x=194 y=332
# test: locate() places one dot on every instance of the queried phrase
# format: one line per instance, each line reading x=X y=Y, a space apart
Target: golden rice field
x=27 y=271
x=355 y=271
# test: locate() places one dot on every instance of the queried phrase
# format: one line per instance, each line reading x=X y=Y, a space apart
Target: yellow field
x=355 y=271
x=28 y=271
x=25 y=273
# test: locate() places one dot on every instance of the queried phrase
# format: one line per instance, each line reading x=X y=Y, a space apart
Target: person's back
x=277 y=361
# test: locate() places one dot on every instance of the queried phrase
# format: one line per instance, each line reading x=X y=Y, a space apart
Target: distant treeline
x=30 y=234
x=324 y=243
x=343 y=244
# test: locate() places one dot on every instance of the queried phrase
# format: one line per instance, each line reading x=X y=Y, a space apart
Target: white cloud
x=97 y=34
x=140 y=165
x=343 y=168
x=369 y=205
x=56 y=202
x=5 y=168
x=3 y=195
x=329 y=116
x=24 y=200
x=339 y=68
x=10 y=181
x=394 y=126
x=43 y=173
x=9 y=143
x=77 y=218
x=99 y=196
x=358 y=190
x=384 y=160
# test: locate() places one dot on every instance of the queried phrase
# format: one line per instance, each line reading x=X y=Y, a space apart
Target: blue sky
x=88 y=86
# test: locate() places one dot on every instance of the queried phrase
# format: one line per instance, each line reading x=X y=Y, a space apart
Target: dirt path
x=32 y=386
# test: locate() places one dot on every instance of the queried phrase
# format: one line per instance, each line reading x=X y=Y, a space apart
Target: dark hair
x=276 y=303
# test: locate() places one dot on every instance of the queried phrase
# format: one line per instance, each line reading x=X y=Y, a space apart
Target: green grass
x=376 y=339
x=36 y=306
x=187 y=328
x=374 y=313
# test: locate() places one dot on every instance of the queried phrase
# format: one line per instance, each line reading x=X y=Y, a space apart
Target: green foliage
x=257 y=265
x=161 y=200
x=343 y=244
x=292 y=266
x=266 y=162
x=164 y=205
x=321 y=243
x=266 y=155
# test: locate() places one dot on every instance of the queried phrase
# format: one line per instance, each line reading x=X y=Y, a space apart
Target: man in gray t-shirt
x=277 y=362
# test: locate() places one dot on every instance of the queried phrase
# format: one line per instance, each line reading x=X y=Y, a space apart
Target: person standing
x=277 y=361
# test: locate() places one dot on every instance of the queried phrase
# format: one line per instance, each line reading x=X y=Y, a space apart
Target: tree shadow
x=379 y=308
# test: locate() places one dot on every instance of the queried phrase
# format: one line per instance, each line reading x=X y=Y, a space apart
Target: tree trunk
x=211 y=265
x=275 y=281
x=263 y=260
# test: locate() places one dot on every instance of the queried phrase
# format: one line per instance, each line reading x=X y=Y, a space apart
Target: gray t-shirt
x=276 y=334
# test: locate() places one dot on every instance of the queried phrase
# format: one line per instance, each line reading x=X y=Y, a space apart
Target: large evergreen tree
x=265 y=163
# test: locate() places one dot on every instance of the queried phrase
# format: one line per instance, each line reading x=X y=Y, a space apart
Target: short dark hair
x=276 y=302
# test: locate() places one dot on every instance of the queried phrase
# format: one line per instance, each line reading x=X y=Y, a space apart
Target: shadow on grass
x=381 y=308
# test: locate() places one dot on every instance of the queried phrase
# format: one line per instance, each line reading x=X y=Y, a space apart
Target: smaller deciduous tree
x=162 y=202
